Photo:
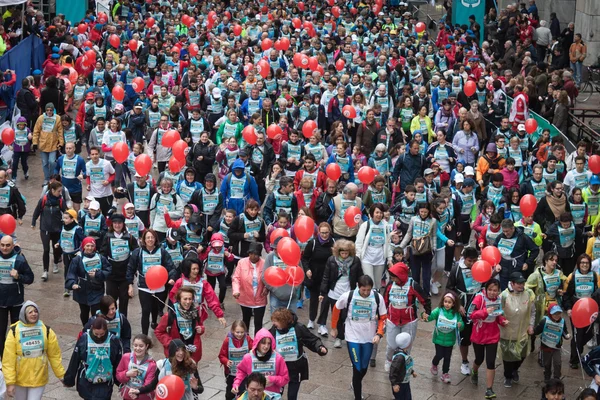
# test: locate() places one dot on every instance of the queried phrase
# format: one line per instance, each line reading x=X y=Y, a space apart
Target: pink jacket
x=241 y=282
x=484 y=332
x=278 y=380
x=511 y=179
x=123 y=378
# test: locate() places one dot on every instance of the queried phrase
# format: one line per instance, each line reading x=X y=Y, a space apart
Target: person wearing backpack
x=25 y=361
x=164 y=200
x=364 y=313
x=409 y=166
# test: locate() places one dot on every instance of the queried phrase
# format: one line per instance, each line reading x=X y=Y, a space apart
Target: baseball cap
x=128 y=205
x=469 y=170
x=555 y=309
x=469 y=182
x=428 y=171
x=138 y=105
x=595 y=180
x=216 y=92
x=521 y=127
x=517 y=277
x=458 y=178
x=90 y=198
x=94 y=205
x=72 y=213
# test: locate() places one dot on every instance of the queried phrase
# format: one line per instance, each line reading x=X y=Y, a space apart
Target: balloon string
x=168 y=306
x=577 y=348
x=291 y=295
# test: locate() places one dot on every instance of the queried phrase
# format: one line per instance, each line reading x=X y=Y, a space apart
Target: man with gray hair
x=339 y=204
x=543 y=38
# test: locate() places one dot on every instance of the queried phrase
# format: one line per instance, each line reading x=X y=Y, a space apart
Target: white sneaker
x=55 y=270
x=45 y=276
x=434 y=289
x=311 y=325
x=387 y=365
x=322 y=330
x=465 y=369
x=337 y=344
x=438 y=284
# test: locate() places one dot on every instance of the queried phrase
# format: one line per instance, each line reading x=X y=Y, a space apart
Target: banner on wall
x=542 y=122
x=463 y=9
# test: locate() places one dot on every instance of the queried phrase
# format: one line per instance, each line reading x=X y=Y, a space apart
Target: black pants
x=118 y=290
x=67 y=258
x=229 y=381
x=162 y=236
x=150 y=306
x=510 y=367
x=581 y=337
x=85 y=311
x=487 y=351
x=445 y=353
x=293 y=389
x=313 y=307
x=5 y=312
x=162 y=165
x=567 y=265
x=552 y=359
x=19 y=155
x=48 y=237
x=259 y=314
x=357 y=377
x=222 y=287
x=541 y=53
x=229 y=266
x=328 y=302
x=105 y=204
x=404 y=393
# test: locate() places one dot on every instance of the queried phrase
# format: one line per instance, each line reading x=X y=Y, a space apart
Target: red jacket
x=204 y=255
x=165 y=336
x=300 y=200
x=482 y=240
x=51 y=69
x=484 y=332
x=402 y=316
x=224 y=353
x=209 y=298
x=321 y=183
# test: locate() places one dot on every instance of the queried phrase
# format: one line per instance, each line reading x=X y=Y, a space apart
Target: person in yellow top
x=422 y=122
x=577 y=53
x=30 y=345
x=48 y=136
x=593 y=244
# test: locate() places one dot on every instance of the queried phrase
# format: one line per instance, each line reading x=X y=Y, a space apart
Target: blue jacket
x=250 y=189
x=90 y=289
x=244 y=107
x=73 y=185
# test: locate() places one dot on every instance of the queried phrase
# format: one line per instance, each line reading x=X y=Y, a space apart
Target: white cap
x=469 y=170
x=94 y=205
x=90 y=197
x=521 y=127
x=128 y=205
x=403 y=340
x=459 y=178
x=216 y=92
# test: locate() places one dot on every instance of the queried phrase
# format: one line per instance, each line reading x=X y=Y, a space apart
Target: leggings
x=360 y=354
x=328 y=302
x=19 y=155
x=48 y=237
x=119 y=290
x=150 y=306
x=487 y=351
x=293 y=389
x=5 y=312
x=29 y=393
x=375 y=272
x=259 y=314
x=581 y=337
x=222 y=287
x=445 y=353
x=85 y=311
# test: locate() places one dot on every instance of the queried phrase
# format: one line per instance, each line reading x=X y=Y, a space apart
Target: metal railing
x=583 y=127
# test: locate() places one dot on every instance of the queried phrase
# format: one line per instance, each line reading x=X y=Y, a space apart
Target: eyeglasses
x=324 y=233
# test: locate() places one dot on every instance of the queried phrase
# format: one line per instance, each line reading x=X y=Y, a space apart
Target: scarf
x=556 y=204
x=187 y=314
x=344 y=265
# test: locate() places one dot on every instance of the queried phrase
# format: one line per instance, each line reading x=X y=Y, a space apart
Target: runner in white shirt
x=100 y=173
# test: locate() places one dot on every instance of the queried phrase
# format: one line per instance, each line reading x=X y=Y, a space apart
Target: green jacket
x=446 y=339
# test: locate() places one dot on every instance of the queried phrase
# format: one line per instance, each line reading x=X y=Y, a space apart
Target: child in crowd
x=236 y=345
x=553 y=330
x=402 y=368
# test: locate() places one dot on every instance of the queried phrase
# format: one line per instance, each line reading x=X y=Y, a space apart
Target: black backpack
x=344 y=312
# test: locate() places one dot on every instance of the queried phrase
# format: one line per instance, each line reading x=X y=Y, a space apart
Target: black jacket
x=208 y=152
x=27 y=104
x=13 y=294
x=314 y=259
x=260 y=171
x=236 y=233
x=524 y=252
x=543 y=214
x=213 y=220
x=119 y=268
x=54 y=96
x=322 y=208
x=331 y=274
x=16 y=204
x=51 y=210
x=90 y=290
x=124 y=333
x=135 y=266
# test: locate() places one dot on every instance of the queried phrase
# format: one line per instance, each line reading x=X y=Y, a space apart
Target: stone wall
x=587 y=22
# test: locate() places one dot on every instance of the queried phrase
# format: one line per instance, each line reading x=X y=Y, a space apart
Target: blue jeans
x=577 y=70
x=275 y=303
x=422 y=264
x=48 y=163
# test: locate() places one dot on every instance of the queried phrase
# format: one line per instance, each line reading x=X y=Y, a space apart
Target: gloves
x=34 y=147
x=190 y=347
x=93 y=233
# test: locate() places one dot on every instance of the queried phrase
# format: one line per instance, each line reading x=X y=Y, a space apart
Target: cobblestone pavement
x=329 y=375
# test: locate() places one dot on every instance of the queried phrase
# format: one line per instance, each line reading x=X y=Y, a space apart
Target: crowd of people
x=237 y=120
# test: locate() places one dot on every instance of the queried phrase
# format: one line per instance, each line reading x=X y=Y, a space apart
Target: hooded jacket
x=539 y=329
x=213 y=219
x=281 y=376
x=90 y=290
x=48 y=140
x=208 y=152
x=446 y=339
x=12 y=294
x=403 y=316
x=119 y=268
x=250 y=188
x=314 y=259
x=524 y=252
x=30 y=372
x=122 y=377
x=484 y=332
x=241 y=282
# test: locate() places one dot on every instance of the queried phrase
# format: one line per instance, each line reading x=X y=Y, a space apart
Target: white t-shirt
x=341 y=286
x=361 y=331
x=110 y=139
x=98 y=173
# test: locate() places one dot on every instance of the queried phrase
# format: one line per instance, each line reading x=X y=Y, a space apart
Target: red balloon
x=331 y=2
x=150 y=22
x=91 y=55
x=481 y=271
x=333 y=171
x=248 y=67
x=297 y=60
x=308 y=128
x=376 y=9
x=174 y=165
x=82 y=28
x=8 y=136
x=169 y=138
x=143 y=164
x=584 y=312
x=278 y=232
x=349 y=111
x=352 y=216
x=300 y=6
x=335 y=11
x=263 y=68
x=176 y=49
x=276 y=277
x=340 y=64
x=304 y=62
x=366 y=175
x=273 y=131
x=285 y=43
x=249 y=135
x=171 y=387
x=266 y=44
x=237 y=30
x=304 y=228
x=179 y=150
x=156 y=277
x=289 y=251
x=313 y=63
x=308 y=25
x=295 y=276
x=8 y=224
x=133 y=45
x=321 y=70
x=120 y=152
x=297 y=23
x=470 y=88
x=277 y=45
x=593 y=163
x=212 y=16
x=118 y=93
x=531 y=125
x=491 y=254
x=353 y=11
x=88 y=44
x=138 y=84
x=528 y=204
x=420 y=27
x=193 y=50
x=114 y=41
